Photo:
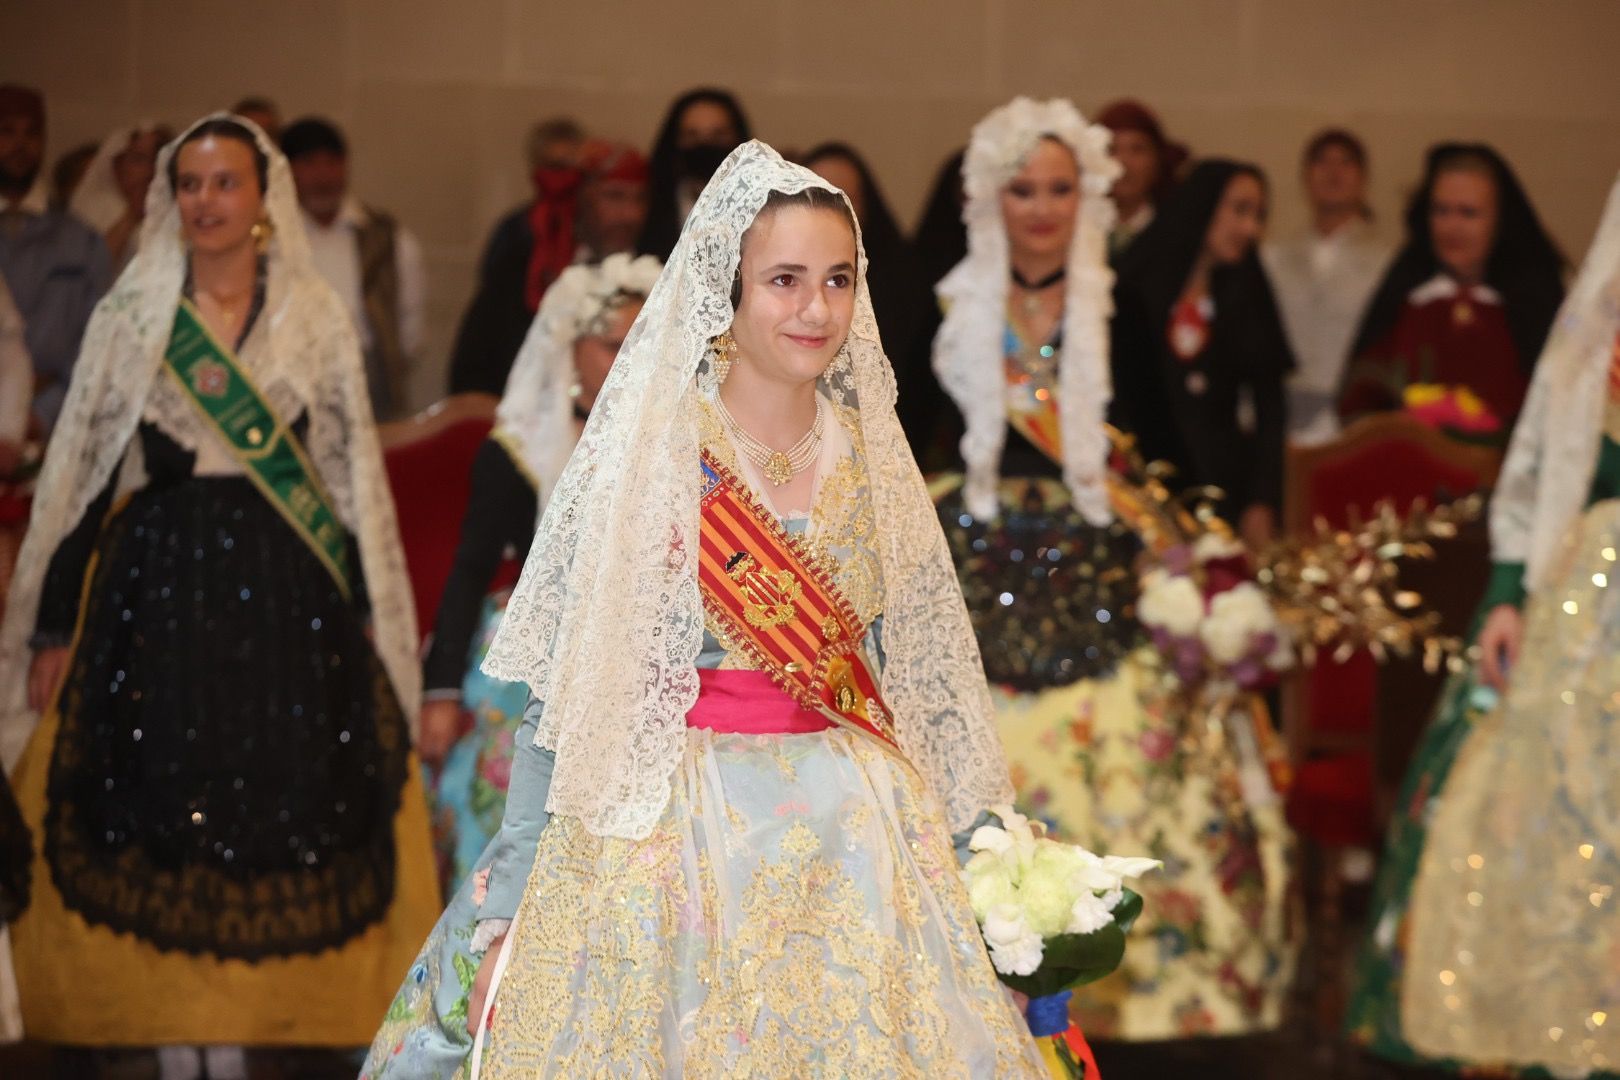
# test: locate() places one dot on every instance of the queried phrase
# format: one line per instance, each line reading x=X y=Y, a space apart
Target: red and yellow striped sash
x=778 y=603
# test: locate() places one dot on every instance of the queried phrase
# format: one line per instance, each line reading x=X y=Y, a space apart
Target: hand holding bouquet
x=1054 y=916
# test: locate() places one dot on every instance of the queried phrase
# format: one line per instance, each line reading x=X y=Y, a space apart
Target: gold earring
x=261 y=232
x=725 y=354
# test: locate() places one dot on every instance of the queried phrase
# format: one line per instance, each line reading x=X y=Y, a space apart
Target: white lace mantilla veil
x=97 y=201
x=536 y=410
x=606 y=622
x=1550 y=461
x=311 y=363
x=968 y=349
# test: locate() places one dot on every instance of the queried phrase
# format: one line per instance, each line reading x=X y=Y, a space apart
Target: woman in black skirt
x=213 y=610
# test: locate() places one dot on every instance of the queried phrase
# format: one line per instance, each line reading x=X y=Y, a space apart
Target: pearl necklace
x=779 y=466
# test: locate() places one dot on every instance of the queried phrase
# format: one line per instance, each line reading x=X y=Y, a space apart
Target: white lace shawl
x=968 y=351
x=310 y=362
x=606 y=622
x=1554 y=451
x=536 y=409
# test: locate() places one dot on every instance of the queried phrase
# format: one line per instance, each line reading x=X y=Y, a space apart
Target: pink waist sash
x=749 y=703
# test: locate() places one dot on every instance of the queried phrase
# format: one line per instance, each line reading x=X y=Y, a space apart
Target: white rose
x=1089 y=914
x=1236 y=618
x=1173 y=604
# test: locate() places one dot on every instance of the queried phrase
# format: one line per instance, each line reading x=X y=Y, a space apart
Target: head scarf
x=1547 y=474
x=969 y=346
x=535 y=413
x=604 y=160
x=606 y=623
x=311 y=364
x=98 y=201
x=1525 y=266
x=663 y=226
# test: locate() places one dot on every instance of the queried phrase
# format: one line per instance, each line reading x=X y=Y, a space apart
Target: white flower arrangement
x=1027 y=890
x=1209 y=620
x=586 y=291
x=1002 y=141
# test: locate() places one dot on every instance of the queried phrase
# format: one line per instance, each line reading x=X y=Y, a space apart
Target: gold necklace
x=779 y=466
x=227 y=307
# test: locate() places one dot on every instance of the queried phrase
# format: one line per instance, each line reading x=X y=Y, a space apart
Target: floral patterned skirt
x=1115 y=765
x=469 y=794
x=798 y=911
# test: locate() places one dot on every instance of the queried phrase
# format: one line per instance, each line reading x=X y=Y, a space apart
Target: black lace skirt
x=231 y=752
x=1052 y=598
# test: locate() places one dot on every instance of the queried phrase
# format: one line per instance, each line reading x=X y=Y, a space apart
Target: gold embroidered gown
x=797 y=911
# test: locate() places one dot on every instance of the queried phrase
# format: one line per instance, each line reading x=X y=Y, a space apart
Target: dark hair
x=1159 y=262
x=879 y=231
x=312 y=135
x=940 y=241
x=1524 y=266
x=220 y=129
x=663 y=227
x=1328 y=138
x=813 y=198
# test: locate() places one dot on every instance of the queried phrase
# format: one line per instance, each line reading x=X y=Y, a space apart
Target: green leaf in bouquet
x=1076 y=959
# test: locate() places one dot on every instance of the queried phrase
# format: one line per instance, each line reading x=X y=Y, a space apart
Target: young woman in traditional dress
x=208 y=653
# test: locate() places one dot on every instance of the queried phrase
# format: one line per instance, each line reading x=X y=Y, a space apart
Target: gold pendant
x=778 y=469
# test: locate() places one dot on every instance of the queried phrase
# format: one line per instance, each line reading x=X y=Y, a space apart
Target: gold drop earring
x=724 y=355
x=261 y=232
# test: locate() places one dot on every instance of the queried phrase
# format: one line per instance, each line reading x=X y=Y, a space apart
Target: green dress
x=1374 y=1016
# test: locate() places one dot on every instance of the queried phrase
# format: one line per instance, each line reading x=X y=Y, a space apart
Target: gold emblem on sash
x=769 y=596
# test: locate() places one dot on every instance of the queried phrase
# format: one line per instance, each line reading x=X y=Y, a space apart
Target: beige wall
x=436 y=94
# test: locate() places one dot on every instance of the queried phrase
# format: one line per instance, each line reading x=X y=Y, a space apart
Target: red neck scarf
x=551 y=220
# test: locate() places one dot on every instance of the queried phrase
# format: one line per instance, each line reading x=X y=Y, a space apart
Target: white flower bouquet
x=1054 y=916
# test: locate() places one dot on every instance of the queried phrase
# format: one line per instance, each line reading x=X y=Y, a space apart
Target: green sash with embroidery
x=267 y=449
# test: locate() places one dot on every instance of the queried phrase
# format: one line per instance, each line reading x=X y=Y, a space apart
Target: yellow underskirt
x=91 y=986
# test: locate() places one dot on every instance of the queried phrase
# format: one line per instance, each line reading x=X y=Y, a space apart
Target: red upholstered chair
x=1330 y=713
x=429 y=457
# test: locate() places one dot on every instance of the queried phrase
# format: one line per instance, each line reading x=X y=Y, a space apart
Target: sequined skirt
x=231 y=752
x=1051 y=596
x=798 y=911
x=1514 y=948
